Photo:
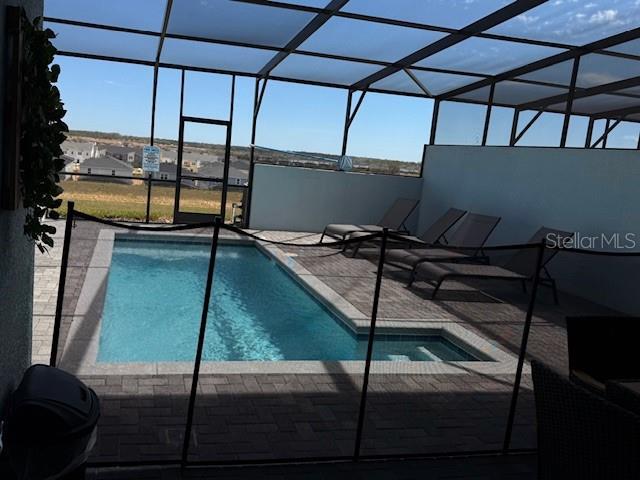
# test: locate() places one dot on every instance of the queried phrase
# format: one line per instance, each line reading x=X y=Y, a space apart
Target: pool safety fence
x=207 y=409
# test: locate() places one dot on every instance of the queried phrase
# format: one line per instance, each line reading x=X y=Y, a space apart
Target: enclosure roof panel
x=426 y=48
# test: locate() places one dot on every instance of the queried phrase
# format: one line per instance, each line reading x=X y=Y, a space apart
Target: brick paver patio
x=268 y=416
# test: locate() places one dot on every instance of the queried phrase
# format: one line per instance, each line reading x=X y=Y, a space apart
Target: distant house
x=216 y=170
x=167 y=172
x=123 y=153
x=70 y=166
x=106 y=165
x=80 y=151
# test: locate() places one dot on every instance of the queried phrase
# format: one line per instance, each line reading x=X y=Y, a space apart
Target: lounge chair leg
x=323 y=233
x=555 y=290
x=356 y=247
x=435 y=290
x=412 y=278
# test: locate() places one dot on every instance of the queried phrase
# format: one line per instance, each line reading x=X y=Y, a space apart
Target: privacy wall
x=591 y=192
x=304 y=199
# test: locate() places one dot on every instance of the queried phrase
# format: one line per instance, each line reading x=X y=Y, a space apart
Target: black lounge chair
x=472 y=232
x=582 y=434
x=520 y=267
x=433 y=235
x=393 y=220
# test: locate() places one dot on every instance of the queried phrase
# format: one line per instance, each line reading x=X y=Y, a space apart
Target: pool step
x=426 y=354
x=399 y=358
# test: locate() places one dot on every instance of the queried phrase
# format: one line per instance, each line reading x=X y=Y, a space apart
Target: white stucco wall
x=304 y=199
x=16 y=262
x=587 y=191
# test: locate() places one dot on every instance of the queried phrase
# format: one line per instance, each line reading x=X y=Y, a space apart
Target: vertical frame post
x=201 y=337
x=487 y=118
x=372 y=332
x=638 y=146
x=434 y=122
x=154 y=94
x=514 y=127
x=227 y=154
x=523 y=347
x=347 y=118
x=178 y=182
x=257 y=102
x=148 y=197
x=61 y=284
x=569 y=108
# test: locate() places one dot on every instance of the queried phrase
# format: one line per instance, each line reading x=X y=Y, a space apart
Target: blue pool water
x=258 y=312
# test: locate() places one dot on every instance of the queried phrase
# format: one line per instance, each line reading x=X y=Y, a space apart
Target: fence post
x=201 y=337
x=523 y=347
x=61 y=284
x=372 y=331
x=149 y=197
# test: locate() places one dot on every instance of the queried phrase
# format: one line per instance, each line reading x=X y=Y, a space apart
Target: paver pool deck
x=262 y=416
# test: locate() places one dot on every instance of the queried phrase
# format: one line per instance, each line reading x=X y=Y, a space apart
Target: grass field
x=129 y=202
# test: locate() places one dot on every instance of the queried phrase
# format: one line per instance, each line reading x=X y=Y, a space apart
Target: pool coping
x=80 y=353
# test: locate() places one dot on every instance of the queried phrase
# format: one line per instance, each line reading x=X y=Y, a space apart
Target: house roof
x=527 y=54
x=216 y=170
x=106 y=162
x=119 y=148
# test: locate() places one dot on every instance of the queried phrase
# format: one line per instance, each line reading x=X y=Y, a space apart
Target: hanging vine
x=42 y=133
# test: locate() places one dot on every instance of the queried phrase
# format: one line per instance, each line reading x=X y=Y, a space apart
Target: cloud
x=603 y=16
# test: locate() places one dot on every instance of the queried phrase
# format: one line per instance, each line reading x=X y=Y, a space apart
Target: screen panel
x=438 y=82
x=398 y=82
x=487 y=56
x=237 y=21
x=596 y=69
x=442 y=13
x=559 y=74
x=210 y=55
x=369 y=40
x=141 y=14
x=603 y=103
x=341 y=72
x=95 y=41
x=573 y=22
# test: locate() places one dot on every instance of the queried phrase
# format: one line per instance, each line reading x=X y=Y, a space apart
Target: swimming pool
x=258 y=312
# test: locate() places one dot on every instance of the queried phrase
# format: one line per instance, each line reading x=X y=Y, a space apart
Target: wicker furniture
x=582 y=435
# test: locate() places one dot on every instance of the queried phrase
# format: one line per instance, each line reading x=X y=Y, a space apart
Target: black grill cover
x=52 y=416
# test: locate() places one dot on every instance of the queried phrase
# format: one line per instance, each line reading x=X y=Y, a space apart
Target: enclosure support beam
x=607 y=130
x=527 y=127
x=227 y=154
x=514 y=127
x=587 y=140
x=318 y=21
x=258 y=94
x=487 y=118
x=547 y=62
x=570 y=97
x=505 y=13
x=347 y=117
x=156 y=66
x=434 y=122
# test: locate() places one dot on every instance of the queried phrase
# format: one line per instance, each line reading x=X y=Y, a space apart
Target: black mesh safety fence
x=211 y=344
